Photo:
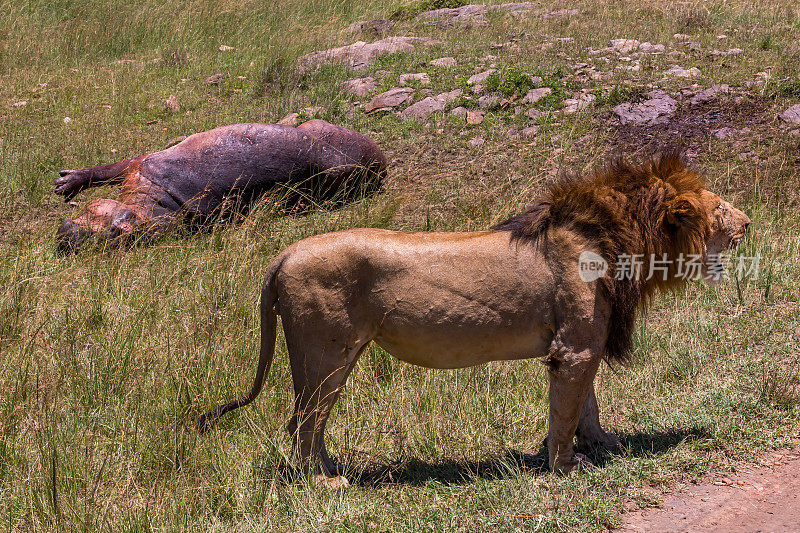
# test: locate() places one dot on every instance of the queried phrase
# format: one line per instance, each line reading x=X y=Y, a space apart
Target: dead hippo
x=213 y=173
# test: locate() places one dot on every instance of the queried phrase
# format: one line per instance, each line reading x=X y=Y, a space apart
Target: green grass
x=107 y=358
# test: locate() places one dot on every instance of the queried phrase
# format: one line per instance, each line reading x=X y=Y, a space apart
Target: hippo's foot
x=70 y=183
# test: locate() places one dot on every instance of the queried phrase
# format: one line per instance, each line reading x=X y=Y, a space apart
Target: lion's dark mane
x=650 y=208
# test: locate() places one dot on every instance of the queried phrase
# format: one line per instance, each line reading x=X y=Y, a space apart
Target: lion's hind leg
x=319 y=374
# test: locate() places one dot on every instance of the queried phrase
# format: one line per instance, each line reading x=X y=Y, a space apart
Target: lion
x=454 y=300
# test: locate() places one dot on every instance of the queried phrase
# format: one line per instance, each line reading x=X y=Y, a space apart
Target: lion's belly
x=459 y=348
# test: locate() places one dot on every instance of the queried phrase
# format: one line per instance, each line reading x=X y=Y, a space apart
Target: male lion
x=453 y=300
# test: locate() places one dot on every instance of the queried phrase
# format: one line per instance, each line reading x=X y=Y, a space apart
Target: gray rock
x=427 y=106
x=649 y=48
x=656 y=110
x=530 y=131
x=171 y=104
x=730 y=52
x=443 y=62
x=390 y=99
x=460 y=112
x=727 y=133
x=709 y=94
x=476 y=141
x=791 y=115
x=421 y=77
x=292 y=119
x=680 y=72
x=485 y=102
x=360 y=54
x=359 y=86
x=21 y=103
x=624 y=46
x=533 y=113
x=534 y=95
x=581 y=103
x=422 y=109
x=481 y=77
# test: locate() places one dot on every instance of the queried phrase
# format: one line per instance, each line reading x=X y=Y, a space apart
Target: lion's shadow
x=512 y=462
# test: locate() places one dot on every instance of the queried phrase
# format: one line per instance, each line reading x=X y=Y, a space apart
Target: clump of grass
x=510 y=82
x=786 y=88
x=617 y=95
x=767 y=43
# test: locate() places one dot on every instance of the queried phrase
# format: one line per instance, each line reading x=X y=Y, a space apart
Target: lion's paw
x=335 y=483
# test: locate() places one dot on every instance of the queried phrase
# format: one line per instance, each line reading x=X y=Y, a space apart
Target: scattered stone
x=171 y=104
x=624 y=46
x=656 y=110
x=460 y=112
x=421 y=77
x=709 y=94
x=359 y=86
x=443 y=62
x=478 y=88
x=533 y=113
x=485 y=102
x=476 y=13
x=649 y=48
x=727 y=133
x=422 y=109
x=475 y=117
x=791 y=115
x=481 y=77
x=21 y=103
x=225 y=48
x=214 y=79
x=427 y=106
x=530 y=131
x=537 y=81
x=582 y=102
x=176 y=140
x=67 y=120
x=360 y=54
x=681 y=72
x=292 y=119
x=534 y=95
x=390 y=99
x=377 y=27
x=729 y=52
x=682 y=37
x=476 y=141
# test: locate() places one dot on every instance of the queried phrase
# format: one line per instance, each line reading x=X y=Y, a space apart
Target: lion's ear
x=683 y=209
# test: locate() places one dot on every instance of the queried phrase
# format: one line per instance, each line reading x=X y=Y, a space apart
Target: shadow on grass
x=512 y=463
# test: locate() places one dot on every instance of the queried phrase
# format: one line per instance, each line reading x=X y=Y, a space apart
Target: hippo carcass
x=216 y=172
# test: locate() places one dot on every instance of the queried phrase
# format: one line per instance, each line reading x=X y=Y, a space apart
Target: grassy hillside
x=107 y=357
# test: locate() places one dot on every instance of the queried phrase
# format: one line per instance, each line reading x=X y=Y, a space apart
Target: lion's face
x=728 y=226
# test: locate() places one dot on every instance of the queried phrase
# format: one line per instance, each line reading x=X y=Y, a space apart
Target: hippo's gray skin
x=215 y=172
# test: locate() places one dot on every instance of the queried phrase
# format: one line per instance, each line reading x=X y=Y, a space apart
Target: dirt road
x=759 y=498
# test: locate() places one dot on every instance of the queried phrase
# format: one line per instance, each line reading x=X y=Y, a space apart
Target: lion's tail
x=269 y=299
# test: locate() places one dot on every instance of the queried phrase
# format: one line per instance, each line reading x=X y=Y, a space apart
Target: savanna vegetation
x=108 y=356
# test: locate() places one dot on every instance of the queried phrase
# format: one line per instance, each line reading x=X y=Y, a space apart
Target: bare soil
x=759 y=498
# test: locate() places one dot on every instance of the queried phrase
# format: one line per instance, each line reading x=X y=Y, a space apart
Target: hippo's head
x=106 y=222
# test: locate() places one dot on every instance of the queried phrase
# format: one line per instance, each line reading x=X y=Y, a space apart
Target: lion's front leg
x=590 y=434
x=571 y=375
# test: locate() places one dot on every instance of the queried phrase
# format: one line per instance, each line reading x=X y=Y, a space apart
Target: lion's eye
x=720 y=206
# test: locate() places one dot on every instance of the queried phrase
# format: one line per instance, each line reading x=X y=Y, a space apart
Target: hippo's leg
x=71 y=182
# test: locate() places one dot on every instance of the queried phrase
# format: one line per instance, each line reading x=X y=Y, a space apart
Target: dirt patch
x=764 y=497
x=692 y=124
